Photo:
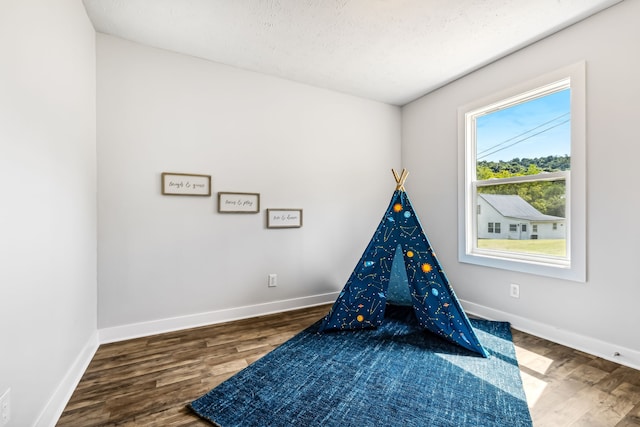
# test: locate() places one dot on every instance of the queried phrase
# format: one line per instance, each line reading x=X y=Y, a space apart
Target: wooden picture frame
x=185 y=184
x=284 y=218
x=238 y=202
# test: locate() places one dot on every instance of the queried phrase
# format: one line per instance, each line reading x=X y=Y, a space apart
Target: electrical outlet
x=5 y=408
x=514 y=291
x=273 y=280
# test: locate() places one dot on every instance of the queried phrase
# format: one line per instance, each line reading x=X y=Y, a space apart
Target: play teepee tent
x=400 y=267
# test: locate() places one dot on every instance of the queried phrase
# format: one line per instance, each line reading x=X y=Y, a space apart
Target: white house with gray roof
x=503 y=216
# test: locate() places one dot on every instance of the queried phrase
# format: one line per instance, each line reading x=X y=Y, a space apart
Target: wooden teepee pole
x=400 y=179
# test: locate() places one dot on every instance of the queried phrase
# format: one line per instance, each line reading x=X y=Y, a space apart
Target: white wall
x=48 y=204
x=163 y=257
x=602 y=314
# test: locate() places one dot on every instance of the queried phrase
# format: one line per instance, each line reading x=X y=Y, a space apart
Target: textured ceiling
x=392 y=51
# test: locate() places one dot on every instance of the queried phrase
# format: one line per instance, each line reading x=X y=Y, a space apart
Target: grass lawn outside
x=552 y=247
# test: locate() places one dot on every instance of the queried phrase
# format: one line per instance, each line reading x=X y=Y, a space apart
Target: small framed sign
x=284 y=218
x=238 y=202
x=185 y=184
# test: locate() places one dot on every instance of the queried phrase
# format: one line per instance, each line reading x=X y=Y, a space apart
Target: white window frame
x=573 y=267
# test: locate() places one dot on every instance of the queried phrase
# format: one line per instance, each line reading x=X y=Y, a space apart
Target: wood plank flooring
x=148 y=381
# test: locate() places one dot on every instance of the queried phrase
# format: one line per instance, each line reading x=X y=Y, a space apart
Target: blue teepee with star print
x=399 y=267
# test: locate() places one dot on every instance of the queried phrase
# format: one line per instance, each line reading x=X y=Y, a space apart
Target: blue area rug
x=396 y=375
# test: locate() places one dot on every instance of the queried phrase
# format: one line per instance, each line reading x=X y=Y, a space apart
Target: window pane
x=525 y=139
x=538 y=206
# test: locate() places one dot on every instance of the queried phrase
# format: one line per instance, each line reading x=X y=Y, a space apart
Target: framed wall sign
x=185 y=184
x=238 y=202
x=284 y=218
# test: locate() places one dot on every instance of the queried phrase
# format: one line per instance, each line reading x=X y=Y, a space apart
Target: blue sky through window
x=537 y=128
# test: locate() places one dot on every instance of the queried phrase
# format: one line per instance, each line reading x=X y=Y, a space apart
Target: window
x=493 y=227
x=522 y=158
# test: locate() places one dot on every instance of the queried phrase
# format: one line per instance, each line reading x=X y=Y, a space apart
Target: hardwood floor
x=148 y=381
x=567 y=387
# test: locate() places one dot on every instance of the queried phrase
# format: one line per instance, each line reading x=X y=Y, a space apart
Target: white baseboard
x=609 y=351
x=56 y=404
x=142 y=329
